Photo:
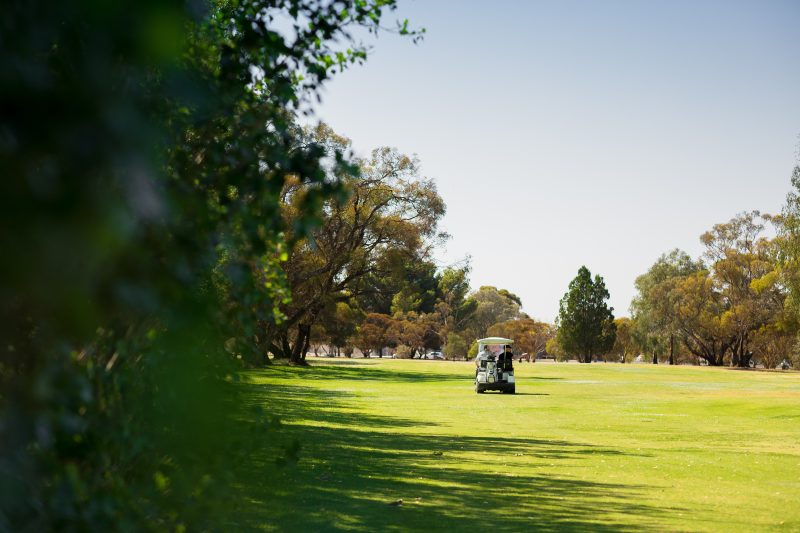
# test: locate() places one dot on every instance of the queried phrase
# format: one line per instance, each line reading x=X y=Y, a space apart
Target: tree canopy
x=145 y=147
x=585 y=322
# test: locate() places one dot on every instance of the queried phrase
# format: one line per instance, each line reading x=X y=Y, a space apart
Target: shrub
x=404 y=352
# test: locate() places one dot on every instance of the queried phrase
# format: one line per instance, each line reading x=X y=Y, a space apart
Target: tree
x=415 y=278
x=418 y=289
x=773 y=343
x=555 y=349
x=625 y=345
x=455 y=306
x=390 y=209
x=493 y=306
x=339 y=324
x=530 y=336
x=417 y=332
x=713 y=313
x=144 y=147
x=745 y=277
x=696 y=308
x=473 y=349
x=788 y=243
x=456 y=346
x=373 y=333
x=585 y=322
x=654 y=323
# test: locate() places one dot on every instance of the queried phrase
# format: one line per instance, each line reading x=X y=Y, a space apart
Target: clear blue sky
x=567 y=133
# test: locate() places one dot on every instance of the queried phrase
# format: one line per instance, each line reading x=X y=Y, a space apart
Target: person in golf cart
x=506 y=358
x=483 y=355
x=494 y=371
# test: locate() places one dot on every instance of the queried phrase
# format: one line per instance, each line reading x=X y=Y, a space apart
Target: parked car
x=433 y=355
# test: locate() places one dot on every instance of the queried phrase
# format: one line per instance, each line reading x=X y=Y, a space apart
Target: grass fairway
x=579 y=447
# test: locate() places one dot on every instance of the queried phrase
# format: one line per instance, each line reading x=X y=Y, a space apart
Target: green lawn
x=579 y=447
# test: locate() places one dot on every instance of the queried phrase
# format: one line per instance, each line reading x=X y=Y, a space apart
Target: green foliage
x=144 y=148
x=554 y=349
x=625 y=346
x=391 y=213
x=585 y=322
x=493 y=306
x=456 y=346
x=455 y=306
x=404 y=352
x=733 y=312
x=426 y=306
x=339 y=323
x=529 y=335
x=473 y=349
x=419 y=288
x=654 y=325
x=788 y=243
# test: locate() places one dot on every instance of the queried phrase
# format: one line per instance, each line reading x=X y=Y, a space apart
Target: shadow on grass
x=294 y=404
x=357 y=371
x=353 y=465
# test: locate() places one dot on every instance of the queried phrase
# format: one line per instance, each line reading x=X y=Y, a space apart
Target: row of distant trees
x=736 y=304
x=486 y=312
x=363 y=278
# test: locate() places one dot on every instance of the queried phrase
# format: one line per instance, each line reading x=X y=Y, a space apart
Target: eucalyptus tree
x=743 y=265
x=493 y=306
x=654 y=323
x=374 y=334
x=788 y=243
x=694 y=309
x=625 y=345
x=455 y=306
x=388 y=208
x=530 y=336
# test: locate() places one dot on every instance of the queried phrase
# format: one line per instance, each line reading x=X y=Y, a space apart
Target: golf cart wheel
x=478 y=389
x=510 y=390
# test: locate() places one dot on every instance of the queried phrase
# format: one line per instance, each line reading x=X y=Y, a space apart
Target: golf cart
x=494 y=368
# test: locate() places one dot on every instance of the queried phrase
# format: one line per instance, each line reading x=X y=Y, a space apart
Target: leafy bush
x=456 y=346
x=473 y=350
x=144 y=146
x=403 y=352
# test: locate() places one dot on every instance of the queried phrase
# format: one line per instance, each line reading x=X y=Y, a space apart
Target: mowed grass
x=596 y=447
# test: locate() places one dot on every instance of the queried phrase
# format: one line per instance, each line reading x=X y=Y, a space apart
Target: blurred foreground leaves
x=143 y=147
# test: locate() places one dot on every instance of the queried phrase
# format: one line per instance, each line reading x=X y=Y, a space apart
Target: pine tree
x=585 y=322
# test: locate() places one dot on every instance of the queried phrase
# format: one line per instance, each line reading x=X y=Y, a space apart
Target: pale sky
x=569 y=133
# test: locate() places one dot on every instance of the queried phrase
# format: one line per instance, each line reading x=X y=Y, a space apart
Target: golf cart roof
x=495 y=340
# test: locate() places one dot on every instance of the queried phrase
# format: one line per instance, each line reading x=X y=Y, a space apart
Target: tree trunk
x=671 y=350
x=655 y=357
x=282 y=349
x=744 y=359
x=297 y=354
x=306 y=345
x=255 y=354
